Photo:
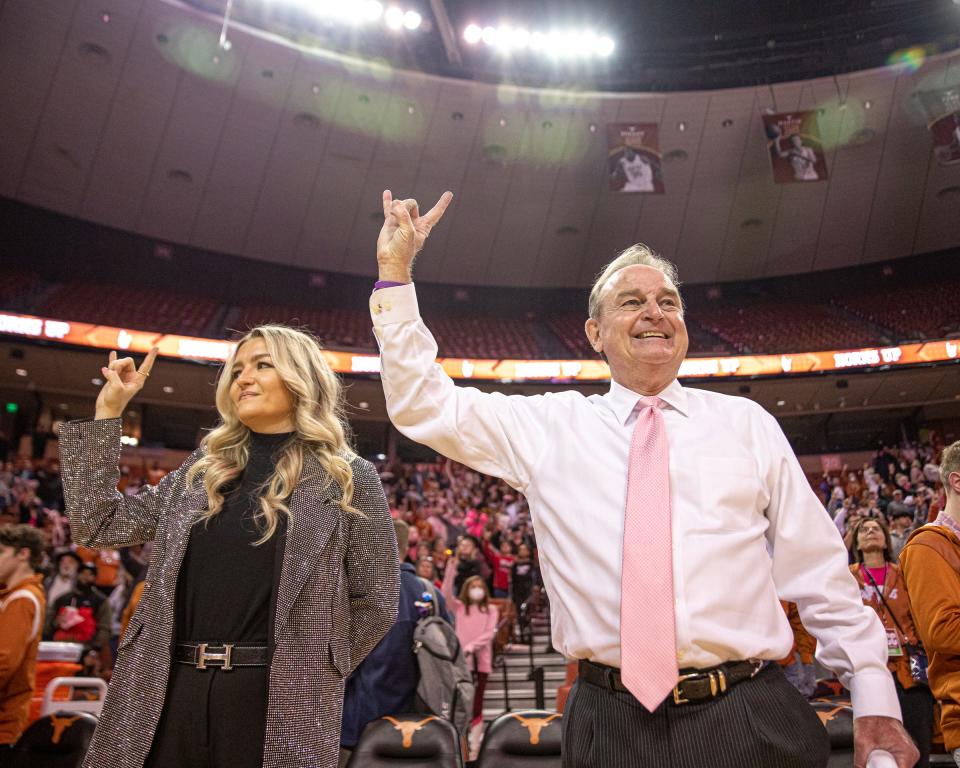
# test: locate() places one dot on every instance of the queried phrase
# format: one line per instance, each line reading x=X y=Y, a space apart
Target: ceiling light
x=372 y=10
x=105 y=17
x=781 y=403
x=867 y=104
x=411 y=109
x=681 y=126
x=21 y=371
x=472 y=34
x=592 y=127
x=98 y=382
x=363 y=404
x=168 y=390
x=503 y=122
x=555 y=43
x=394 y=18
x=412 y=19
x=605 y=46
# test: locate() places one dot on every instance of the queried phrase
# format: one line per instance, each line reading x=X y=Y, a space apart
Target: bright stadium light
x=605 y=46
x=356 y=12
x=557 y=44
x=394 y=18
x=372 y=10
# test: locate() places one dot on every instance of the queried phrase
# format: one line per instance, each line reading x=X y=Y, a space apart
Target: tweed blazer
x=337 y=596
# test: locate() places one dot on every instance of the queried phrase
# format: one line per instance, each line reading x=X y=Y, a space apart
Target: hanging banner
x=633 y=158
x=796 y=151
x=943 y=121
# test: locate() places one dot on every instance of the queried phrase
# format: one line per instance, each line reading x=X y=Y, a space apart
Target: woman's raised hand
x=122 y=380
x=403 y=234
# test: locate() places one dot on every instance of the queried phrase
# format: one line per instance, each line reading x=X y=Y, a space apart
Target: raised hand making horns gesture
x=122 y=380
x=404 y=233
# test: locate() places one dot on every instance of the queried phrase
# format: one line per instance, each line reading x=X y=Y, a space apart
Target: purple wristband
x=385 y=284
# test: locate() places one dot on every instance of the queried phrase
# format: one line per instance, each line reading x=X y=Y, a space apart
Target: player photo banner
x=633 y=158
x=943 y=120
x=796 y=152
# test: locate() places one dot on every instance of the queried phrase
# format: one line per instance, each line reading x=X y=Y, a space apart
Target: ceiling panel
x=267 y=151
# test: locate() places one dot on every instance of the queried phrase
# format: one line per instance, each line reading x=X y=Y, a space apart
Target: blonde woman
x=273 y=572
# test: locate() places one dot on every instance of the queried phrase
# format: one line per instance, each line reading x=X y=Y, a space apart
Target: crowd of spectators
x=900 y=486
x=469 y=534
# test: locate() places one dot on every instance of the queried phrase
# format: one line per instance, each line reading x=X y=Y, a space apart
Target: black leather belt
x=225 y=656
x=695 y=685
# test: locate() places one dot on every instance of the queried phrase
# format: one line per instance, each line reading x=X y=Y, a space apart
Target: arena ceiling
x=132 y=116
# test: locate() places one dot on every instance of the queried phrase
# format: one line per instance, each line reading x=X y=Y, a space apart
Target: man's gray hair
x=949 y=462
x=632 y=256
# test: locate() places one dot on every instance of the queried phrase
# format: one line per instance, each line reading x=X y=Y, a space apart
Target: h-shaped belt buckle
x=203 y=657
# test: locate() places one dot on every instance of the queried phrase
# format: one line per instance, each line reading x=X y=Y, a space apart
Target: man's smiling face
x=640 y=329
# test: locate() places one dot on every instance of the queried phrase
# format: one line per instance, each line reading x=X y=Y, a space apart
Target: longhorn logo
x=60 y=724
x=826 y=717
x=408 y=728
x=535 y=724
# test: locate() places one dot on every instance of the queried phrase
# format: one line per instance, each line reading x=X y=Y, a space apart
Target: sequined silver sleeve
x=101 y=516
x=373 y=568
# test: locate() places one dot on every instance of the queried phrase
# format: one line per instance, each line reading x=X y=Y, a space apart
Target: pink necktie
x=648 y=644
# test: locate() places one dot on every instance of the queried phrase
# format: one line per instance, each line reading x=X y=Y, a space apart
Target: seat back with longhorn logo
x=407 y=741
x=523 y=739
x=59 y=740
x=836 y=714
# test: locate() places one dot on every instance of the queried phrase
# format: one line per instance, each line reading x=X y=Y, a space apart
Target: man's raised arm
x=491 y=432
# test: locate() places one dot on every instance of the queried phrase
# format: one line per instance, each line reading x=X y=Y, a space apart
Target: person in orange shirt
x=21 y=619
x=931 y=564
x=107 y=563
x=884 y=589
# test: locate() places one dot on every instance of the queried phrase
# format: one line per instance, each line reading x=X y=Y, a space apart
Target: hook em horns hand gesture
x=122 y=381
x=404 y=233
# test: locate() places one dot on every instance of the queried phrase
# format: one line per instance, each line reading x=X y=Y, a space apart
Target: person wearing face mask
x=476 y=623
x=273 y=573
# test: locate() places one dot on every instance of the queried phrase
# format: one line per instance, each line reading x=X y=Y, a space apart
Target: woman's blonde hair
x=319 y=421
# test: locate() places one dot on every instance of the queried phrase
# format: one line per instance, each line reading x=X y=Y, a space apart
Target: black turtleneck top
x=227 y=586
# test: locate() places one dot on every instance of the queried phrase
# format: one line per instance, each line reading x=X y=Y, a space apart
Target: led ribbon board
x=192 y=348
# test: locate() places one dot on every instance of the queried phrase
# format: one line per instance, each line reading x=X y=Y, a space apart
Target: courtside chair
x=407 y=741
x=523 y=739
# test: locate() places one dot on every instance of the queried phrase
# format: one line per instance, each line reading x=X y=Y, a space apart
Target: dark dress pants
x=212 y=719
x=759 y=723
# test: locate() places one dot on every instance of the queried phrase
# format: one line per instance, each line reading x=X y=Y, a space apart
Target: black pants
x=916 y=704
x=212 y=719
x=759 y=723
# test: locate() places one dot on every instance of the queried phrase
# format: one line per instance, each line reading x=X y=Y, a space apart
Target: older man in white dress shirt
x=674 y=628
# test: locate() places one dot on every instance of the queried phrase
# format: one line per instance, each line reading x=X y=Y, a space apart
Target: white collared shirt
x=747 y=528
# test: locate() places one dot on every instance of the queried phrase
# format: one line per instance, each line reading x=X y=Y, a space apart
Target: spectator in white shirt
x=746 y=529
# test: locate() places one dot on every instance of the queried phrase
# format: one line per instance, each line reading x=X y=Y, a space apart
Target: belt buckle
x=203 y=657
x=677 y=699
x=718 y=684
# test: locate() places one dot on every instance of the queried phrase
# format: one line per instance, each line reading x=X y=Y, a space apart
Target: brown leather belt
x=695 y=685
x=223 y=656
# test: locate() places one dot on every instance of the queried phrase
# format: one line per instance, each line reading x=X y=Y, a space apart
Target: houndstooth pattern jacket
x=336 y=598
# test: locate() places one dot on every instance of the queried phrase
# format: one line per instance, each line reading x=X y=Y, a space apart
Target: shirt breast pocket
x=729 y=492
